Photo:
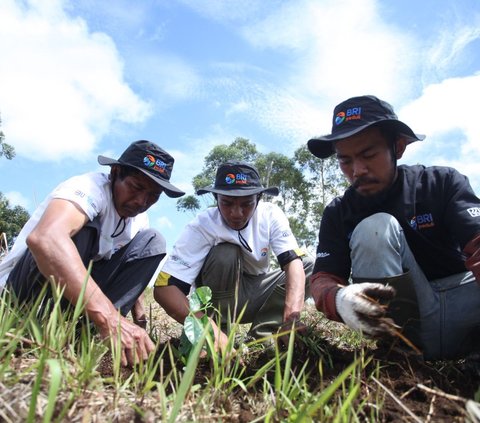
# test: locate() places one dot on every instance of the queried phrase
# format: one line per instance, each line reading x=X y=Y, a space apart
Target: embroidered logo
x=156 y=164
x=238 y=179
x=422 y=221
x=264 y=252
x=322 y=255
x=474 y=211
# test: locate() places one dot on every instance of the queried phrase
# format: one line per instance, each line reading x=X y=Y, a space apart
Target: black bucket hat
x=151 y=160
x=237 y=179
x=355 y=115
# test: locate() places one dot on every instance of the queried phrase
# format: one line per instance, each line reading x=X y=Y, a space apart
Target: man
x=227 y=248
x=98 y=217
x=410 y=234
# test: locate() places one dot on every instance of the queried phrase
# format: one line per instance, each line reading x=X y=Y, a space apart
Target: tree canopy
x=5 y=149
x=12 y=219
x=306 y=183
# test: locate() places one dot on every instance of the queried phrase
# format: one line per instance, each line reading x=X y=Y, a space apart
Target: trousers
x=449 y=307
x=122 y=278
x=261 y=298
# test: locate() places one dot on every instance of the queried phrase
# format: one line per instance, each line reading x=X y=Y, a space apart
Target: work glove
x=362 y=306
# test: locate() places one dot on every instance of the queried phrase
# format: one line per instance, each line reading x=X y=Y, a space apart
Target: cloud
x=445 y=112
x=163 y=222
x=63 y=87
x=16 y=198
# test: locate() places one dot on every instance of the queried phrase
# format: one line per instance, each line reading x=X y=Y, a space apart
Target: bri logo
x=238 y=179
x=156 y=164
x=339 y=118
x=422 y=221
x=264 y=252
x=354 y=113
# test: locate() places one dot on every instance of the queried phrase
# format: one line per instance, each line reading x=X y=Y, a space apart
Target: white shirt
x=92 y=192
x=267 y=229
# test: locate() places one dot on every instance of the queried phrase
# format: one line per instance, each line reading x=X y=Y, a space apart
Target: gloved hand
x=360 y=307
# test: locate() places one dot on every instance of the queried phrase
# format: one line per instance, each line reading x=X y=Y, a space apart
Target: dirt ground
x=411 y=390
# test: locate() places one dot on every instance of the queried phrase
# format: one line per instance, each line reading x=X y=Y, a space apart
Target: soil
x=408 y=388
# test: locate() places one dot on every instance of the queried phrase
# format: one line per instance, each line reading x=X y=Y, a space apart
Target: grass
x=52 y=370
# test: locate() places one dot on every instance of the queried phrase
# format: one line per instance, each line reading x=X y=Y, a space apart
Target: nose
x=359 y=168
x=236 y=211
x=141 y=199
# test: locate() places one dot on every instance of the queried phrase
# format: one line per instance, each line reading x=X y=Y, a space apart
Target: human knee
x=376 y=231
x=224 y=255
x=148 y=242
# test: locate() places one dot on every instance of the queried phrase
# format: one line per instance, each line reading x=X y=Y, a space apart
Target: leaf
x=193 y=329
x=194 y=302
x=204 y=294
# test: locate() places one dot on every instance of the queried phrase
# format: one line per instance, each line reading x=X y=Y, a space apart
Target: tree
x=275 y=169
x=5 y=149
x=325 y=182
x=12 y=219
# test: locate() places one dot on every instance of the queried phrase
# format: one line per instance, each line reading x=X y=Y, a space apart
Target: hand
x=138 y=313
x=135 y=343
x=286 y=328
x=360 y=306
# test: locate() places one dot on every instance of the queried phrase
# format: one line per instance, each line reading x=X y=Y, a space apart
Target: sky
x=85 y=77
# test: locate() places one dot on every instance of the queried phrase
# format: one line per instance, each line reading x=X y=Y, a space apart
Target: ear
x=401 y=146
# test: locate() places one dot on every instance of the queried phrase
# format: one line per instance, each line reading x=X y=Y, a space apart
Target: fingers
x=379 y=291
x=136 y=345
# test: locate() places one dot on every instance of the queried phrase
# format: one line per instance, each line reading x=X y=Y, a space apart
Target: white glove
x=360 y=308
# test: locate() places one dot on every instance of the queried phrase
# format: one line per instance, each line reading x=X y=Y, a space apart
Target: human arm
x=472 y=252
x=175 y=303
x=295 y=290
x=50 y=243
x=358 y=305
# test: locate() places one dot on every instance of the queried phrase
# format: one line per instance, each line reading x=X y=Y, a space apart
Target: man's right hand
x=135 y=343
x=361 y=308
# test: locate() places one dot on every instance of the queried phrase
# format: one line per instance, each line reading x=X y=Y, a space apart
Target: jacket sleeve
x=324 y=287
x=472 y=252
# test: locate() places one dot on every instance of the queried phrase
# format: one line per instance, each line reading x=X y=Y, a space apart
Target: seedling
x=193 y=326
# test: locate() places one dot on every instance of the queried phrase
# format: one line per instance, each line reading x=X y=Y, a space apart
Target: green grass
x=53 y=370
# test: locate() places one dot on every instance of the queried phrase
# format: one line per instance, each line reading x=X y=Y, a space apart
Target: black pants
x=122 y=278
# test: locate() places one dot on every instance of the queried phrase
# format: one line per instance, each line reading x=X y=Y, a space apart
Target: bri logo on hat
x=156 y=164
x=354 y=113
x=238 y=179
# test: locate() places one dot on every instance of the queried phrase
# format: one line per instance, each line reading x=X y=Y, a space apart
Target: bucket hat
x=354 y=115
x=149 y=159
x=237 y=179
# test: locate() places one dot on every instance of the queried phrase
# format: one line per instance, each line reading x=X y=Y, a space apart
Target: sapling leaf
x=193 y=328
x=205 y=294
x=194 y=302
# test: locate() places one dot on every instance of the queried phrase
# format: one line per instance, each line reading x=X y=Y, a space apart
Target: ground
x=409 y=388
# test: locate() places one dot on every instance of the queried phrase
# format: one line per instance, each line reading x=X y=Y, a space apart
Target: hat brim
x=171 y=190
x=239 y=192
x=322 y=146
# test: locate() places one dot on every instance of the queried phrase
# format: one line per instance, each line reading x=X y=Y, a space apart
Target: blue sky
x=86 y=77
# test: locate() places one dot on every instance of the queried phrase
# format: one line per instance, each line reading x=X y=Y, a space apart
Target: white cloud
x=63 y=86
x=446 y=113
x=163 y=222
x=16 y=198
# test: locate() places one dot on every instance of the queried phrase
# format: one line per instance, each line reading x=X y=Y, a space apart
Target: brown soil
x=404 y=387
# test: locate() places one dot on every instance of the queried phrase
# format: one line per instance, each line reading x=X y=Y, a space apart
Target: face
x=237 y=211
x=134 y=194
x=366 y=160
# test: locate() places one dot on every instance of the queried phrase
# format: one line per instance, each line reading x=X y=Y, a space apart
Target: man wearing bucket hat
x=227 y=248
x=406 y=236
x=101 y=218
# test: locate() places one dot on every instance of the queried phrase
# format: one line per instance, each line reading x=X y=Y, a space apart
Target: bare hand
x=286 y=329
x=135 y=343
x=138 y=313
